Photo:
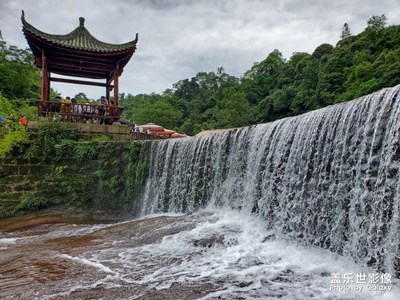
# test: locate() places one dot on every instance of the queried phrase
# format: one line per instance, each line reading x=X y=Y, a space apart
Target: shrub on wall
x=10 y=137
x=71 y=170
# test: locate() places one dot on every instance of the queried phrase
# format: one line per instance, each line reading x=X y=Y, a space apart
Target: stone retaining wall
x=18 y=176
x=107 y=179
x=115 y=131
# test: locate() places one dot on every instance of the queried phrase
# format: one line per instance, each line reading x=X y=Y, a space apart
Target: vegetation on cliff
x=59 y=166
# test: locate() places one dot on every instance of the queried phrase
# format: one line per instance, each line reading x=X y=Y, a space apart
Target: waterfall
x=327 y=178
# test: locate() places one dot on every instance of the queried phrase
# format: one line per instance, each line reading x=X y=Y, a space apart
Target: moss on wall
x=92 y=174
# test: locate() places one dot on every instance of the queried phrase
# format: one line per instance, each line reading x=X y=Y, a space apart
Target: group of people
x=72 y=111
x=69 y=105
x=12 y=120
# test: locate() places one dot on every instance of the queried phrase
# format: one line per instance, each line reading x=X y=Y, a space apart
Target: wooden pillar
x=107 y=90
x=45 y=79
x=116 y=85
x=48 y=85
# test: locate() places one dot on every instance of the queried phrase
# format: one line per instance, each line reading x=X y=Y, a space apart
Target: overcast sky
x=178 y=38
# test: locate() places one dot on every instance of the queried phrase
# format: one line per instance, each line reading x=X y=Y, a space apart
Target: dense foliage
x=19 y=78
x=19 y=82
x=276 y=87
x=273 y=88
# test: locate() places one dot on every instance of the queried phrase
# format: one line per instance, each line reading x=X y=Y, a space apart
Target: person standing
x=103 y=109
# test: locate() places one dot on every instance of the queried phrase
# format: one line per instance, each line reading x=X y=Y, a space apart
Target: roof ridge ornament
x=82 y=21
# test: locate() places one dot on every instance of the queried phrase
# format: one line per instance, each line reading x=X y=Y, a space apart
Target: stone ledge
x=115 y=129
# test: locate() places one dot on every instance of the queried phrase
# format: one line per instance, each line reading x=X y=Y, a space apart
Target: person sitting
x=77 y=108
x=66 y=108
x=87 y=109
x=112 y=113
x=23 y=121
x=56 y=105
x=103 y=100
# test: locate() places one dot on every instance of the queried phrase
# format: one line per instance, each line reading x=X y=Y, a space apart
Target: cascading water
x=263 y=198
x=327 y=178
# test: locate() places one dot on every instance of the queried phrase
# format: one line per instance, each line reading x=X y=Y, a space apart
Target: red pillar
x=116 y=87
x=48 y=85
x=45 y=79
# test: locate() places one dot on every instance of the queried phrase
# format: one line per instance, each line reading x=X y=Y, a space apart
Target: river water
x=210 y=254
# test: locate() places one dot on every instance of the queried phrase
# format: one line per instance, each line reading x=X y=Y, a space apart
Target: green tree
x=386 y=68
x=262 y=78
x=80 y=97
x=345 y=31
x=161 y=113
x=269 y=66
x=235 y=110
x=377 y=23
x=323 y=50
x=19 y=78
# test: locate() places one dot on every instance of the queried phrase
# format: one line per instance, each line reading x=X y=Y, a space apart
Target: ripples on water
x=215 y=254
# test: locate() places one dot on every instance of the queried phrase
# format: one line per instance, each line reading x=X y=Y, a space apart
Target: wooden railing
x=80 y=113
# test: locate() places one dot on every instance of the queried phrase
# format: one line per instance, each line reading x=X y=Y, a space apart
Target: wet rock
x=244 y=284
x=249 y=261
x=285 y=276
x=269 y=238
x=209 y=242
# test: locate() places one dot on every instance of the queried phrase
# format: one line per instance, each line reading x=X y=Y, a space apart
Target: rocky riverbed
x=206 y=255
x=39 y=256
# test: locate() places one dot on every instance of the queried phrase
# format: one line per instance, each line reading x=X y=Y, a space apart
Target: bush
x=53 y=140
x=30 y=201
x=10 y=137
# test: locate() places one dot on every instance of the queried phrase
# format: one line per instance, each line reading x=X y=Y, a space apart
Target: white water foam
x=6 y=242
x=327 y=178
x=236 y=255
x=88 y=263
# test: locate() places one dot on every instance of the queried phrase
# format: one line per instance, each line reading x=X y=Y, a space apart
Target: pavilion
x=78 y=54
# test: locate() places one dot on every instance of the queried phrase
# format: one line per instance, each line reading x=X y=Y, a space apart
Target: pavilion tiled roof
x=79 y=39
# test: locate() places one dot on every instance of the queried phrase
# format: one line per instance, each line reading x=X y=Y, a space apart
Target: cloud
x=178 y=38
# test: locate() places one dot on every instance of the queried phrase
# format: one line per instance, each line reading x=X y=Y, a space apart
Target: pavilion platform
x=116 y=131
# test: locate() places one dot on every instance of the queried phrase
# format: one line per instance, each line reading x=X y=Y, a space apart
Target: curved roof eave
x=79 y=39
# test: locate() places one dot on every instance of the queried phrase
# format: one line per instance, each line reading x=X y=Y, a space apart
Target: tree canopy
x=273 y=88
x=277 y=87
x=19 y=78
